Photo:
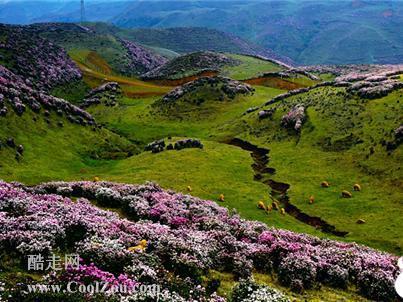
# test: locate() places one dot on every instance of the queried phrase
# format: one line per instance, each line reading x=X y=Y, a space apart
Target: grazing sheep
x=275 y=205
x=360 y=221
x=155 y=146
x=325 y=184
x=10 y=142
x=269 y=208
x=346 y=194
x=138 y=248
x=189 y=188
x=311 y=199
x=261 y=205
x=20 y=149
x=96 y=179
x=266 y=113
x=357 y=187
x=282 y=211
x=221 y=197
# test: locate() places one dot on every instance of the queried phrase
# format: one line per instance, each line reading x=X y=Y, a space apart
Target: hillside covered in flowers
x=174 y=240
x=41 y=63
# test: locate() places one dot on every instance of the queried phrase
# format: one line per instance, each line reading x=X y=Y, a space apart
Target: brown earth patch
x=275 y=82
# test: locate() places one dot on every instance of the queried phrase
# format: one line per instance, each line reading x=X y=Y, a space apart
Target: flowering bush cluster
x=141 y=59
x=227 y=89
x=249 y=291
x=43 y=64
x=374 y=83
x=375 y=87
x=193 y=63
x=294 y=118
x=87 y=274
x=17 y=94
x=367 y=81
x=174 y=239
x=107 y=94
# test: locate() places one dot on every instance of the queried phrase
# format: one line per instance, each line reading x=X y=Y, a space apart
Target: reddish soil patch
x=141 y=94
x=274 y=82
x=95 y=60
x=181 y=81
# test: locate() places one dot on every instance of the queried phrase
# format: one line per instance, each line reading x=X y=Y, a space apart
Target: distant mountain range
x=308 y=32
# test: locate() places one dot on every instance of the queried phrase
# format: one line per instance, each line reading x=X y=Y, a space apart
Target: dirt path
x=263 y=172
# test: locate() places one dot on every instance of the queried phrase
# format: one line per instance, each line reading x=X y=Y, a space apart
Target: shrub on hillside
x=249 y=291
x=298 y=267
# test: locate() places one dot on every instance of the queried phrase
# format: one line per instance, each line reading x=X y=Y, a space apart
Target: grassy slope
x=218 y=169
x=53 y=152
x=250 y=67
x=73 y=92
x=304 y=164
x=111 y=49
x=209 y=173
x=134 y=118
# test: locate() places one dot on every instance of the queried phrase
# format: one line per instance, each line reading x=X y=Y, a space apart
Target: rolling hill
x=123 y=56
x=239 y=67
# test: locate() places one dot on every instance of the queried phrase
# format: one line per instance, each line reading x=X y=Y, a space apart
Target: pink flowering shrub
x=294 y=118
x=141 y=59
x=43 y=64
x=249 y=291
x=19 y=95
x=185 y=237
x=298 y=267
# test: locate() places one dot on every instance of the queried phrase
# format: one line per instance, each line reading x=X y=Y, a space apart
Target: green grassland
x=137 y=120
x=73 y=92
x=111 y=49
x=325 y=150
x=54 y=152
x=215 y=170
x=340 y=143
x=249 y=67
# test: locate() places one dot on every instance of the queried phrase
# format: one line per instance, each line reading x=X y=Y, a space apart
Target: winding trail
x=262 y=173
